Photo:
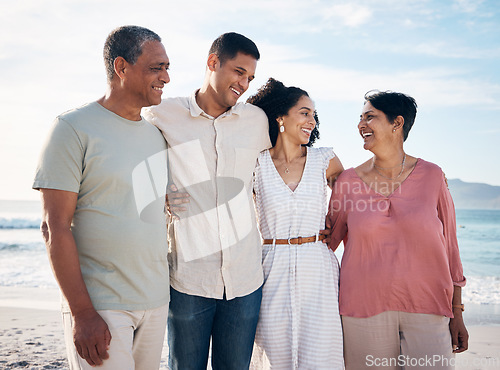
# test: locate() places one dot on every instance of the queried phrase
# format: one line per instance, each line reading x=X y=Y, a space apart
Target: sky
x=444 y=53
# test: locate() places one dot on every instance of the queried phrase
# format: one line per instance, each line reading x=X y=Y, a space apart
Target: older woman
x=401 y=274
x=299 y=324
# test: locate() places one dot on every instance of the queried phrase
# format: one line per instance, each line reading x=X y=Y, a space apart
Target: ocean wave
x=18 y=247
x=26 y=268
x=20 y=222
x=482 y=290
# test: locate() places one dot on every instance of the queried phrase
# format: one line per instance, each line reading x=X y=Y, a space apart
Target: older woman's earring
x=282 y=128
x=393 y=130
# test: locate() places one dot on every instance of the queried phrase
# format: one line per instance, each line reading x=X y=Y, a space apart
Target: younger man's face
x=231 y=79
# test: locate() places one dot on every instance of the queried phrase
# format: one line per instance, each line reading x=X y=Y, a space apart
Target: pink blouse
x=400 y=251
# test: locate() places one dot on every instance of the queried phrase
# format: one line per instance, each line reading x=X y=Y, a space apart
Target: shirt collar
x=196 y=111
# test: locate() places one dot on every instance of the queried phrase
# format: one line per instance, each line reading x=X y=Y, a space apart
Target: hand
x=327 y=233
x=459 y=334
x=174 y=202
x=91 y=337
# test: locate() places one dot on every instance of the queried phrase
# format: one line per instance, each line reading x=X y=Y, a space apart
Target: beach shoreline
x=31 y=334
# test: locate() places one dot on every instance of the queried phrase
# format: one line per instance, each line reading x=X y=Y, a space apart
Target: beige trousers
x=397 y=340
x=136 y=343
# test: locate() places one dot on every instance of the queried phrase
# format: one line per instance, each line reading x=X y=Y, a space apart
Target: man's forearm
x=63 y=256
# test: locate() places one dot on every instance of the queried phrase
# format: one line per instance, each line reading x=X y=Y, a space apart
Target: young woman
x=299 y=324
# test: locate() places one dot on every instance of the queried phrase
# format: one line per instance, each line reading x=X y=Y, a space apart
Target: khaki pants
x=397 y=340
x=136 y=343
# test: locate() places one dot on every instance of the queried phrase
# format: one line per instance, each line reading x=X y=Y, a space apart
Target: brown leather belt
x=299 y=240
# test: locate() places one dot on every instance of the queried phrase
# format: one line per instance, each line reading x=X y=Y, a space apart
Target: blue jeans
x=192 y=320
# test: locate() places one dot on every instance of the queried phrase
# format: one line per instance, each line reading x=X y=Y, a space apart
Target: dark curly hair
x=394 y=104
x=276 y=100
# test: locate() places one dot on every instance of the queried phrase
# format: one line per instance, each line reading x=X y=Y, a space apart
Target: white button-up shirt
x=214 y=246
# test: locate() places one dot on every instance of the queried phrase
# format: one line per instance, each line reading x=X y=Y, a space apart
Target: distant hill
x=469 y=195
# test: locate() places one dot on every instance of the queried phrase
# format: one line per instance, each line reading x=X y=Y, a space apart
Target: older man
x=102 y=179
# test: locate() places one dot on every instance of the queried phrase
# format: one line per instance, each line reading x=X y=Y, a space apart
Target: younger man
x=215 y=247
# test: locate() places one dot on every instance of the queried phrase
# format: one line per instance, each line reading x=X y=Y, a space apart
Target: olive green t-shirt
x=118 y=168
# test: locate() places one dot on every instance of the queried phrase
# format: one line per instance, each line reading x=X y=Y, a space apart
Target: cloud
x=436 y=87
x=468 y=6
x=349 y=14
x=448 y=49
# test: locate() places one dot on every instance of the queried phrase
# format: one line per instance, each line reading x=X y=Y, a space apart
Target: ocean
x=24 y=263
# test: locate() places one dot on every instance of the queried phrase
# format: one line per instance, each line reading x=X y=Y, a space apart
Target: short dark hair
x=394 y=104
x=126 y=42
x=227 y=45
x=276 y=100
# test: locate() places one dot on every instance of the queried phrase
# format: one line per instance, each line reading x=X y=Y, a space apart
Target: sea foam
x=20 y=222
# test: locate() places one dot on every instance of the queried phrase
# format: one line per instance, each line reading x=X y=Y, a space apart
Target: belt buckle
x=289 y=243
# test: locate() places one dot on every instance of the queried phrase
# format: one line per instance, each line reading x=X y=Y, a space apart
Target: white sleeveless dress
x=299 y=324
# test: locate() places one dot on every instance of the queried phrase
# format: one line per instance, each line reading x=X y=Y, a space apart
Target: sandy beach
x=31 y=334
